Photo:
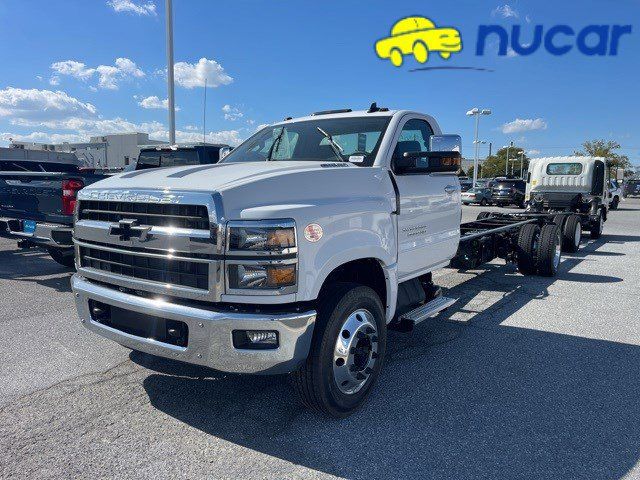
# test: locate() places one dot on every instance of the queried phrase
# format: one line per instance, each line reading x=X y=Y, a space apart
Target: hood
x=208 y=178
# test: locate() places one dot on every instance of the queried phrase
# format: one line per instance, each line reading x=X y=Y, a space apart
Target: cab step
x=408 y=320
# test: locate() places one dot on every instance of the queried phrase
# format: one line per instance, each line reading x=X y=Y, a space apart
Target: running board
x=427 y=310
x=407 y=321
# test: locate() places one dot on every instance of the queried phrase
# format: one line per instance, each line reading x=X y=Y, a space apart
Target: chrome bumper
x=210 y=332
x=47 y=234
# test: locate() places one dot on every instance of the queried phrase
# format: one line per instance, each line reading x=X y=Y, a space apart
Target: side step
x=408 y=320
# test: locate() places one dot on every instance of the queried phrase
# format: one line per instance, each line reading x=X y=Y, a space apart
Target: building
x=108 y=152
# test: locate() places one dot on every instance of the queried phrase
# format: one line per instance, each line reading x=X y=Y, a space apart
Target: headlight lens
x=261 y=276
x=261 y=239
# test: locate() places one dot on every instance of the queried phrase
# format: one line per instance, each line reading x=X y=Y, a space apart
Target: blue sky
x=264 y=60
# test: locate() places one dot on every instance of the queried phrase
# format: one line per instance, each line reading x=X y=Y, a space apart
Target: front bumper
x=46 y=234
x=210 y=332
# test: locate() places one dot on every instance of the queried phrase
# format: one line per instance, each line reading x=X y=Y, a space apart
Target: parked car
x=296 y=265
x=38 y=192
x=508 y=191
x=465 y=185
x=632 y=188
x=615 y=194
x=479 y=195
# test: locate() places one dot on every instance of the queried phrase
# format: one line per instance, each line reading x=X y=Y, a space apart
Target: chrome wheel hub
x=356 y=351
x=577 y=236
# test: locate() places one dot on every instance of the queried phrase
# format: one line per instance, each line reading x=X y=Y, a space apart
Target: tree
x=494 y=166
x=606 y=149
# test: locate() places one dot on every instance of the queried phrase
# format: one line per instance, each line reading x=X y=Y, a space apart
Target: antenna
x=204 y=114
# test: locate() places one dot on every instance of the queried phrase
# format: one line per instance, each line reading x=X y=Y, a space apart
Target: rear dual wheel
x=539 y=249
x=347 y=351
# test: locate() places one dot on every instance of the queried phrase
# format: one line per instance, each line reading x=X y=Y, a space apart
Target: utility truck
x=295 y=254
x=575 y=189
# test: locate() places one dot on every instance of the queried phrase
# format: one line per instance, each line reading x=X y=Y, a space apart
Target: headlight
x=253 y=276
x=254 y=237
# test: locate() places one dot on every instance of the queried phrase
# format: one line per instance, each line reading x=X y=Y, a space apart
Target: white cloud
x=33 y=106
x=41 y=137
x=524 y=125
x=108 y=75
x=232 y=113
x=505 y=11
x=191 y=128
x=146 y=8
x=54 y=80
x=533 y=152
x=191 y=75
x=153 y=102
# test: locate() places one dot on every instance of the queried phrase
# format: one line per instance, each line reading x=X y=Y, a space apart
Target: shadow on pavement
x=34 y=265
x=455 y=400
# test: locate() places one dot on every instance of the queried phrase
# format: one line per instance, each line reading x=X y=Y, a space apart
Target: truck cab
x=577 y=184
x=292 y=255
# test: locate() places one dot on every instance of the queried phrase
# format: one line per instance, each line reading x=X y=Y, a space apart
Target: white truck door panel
x=429 y=219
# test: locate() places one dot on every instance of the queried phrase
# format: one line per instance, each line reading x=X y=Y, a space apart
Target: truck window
x=564 y=169
x=414 y=137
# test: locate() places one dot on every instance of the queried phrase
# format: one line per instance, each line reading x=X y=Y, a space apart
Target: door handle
x=449 y=189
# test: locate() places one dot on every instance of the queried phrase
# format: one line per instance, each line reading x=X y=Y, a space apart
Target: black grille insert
x=174 y=271
x=154 y=214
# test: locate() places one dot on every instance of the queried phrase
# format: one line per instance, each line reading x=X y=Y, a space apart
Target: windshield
x=167 y=158
x=356 y=140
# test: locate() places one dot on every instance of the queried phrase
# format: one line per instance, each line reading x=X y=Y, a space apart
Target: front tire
x=347 y=351
x=571 y=234
x=63 y=256
x=614 y=203
x=395 y=55
x=596 y=229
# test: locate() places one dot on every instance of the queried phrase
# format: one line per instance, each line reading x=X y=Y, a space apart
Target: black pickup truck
x=37 y=199
x=38 y=190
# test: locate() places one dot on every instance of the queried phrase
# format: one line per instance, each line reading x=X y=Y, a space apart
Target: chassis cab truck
x=295 y=254
x=576 y=189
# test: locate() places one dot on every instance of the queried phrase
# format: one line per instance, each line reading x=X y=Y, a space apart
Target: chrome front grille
x=180 y=254
x=174 y=270
x=152 y=214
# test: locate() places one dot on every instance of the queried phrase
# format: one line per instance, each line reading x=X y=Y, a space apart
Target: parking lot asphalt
x=523 y=377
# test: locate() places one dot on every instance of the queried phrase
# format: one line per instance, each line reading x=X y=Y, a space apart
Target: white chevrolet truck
x=295 y=254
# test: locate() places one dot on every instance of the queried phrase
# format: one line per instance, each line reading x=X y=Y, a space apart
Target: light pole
x=521 y=162
x=506 y=167
x=172 y=106
x=476 y=112
x=479 y=142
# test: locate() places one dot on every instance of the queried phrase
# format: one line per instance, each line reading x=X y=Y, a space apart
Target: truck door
x=429 y=218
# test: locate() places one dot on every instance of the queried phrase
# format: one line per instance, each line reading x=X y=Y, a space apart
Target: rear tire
x=571 y=234
x=420 y=52
x=549 y=250
x=63 y=256
x=596 y=229
x=527 y=248
x=316 y=381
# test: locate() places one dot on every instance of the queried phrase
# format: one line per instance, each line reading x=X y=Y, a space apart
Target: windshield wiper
x=337 y=149
x=273 y=148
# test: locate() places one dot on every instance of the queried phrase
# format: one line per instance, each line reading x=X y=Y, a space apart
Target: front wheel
x=63 y=256
x=347 y=351
x=596 y=227
x=614 y=203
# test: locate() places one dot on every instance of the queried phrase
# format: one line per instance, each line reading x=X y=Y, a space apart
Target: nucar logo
x=419 y=36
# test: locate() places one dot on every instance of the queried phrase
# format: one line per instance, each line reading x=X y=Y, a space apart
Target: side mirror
x=445 y=143
x=427 y=162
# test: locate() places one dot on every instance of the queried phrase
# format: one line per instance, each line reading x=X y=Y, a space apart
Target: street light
x=476 y=112
x=171 y=101
x=521 y=162
x=506 y=167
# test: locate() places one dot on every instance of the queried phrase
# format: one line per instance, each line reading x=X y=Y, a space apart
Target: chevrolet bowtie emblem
x=127 y=229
